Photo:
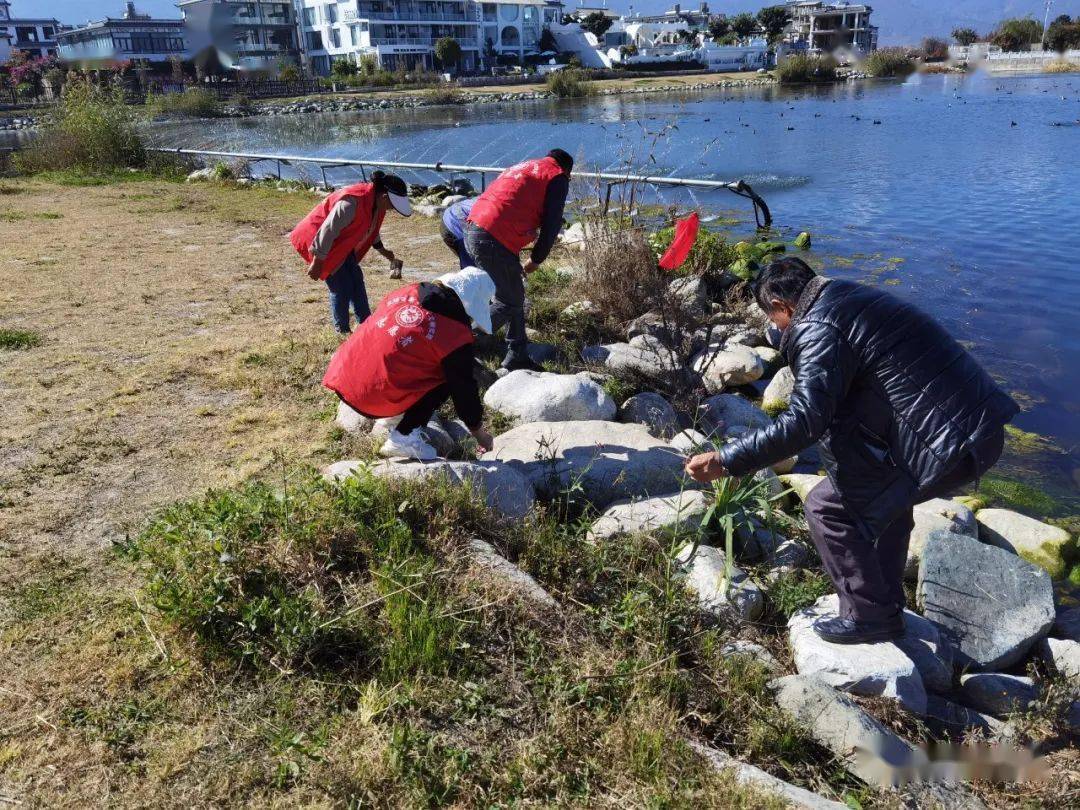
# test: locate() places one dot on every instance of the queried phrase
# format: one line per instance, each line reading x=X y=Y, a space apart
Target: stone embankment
x=20 y=123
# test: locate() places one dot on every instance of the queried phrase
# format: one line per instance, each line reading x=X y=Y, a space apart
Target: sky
x=899 y=20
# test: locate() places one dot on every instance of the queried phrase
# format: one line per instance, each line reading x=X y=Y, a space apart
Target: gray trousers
x=868 y=574
x=504 y=267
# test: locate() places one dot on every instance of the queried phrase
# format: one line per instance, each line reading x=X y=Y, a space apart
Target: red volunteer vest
x=358 y=235
x=512 y=207
x=395 y=356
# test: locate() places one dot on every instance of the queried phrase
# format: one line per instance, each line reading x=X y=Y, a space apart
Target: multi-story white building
x=826 y=27
x=36 y=36
x=403 y=33
x=248 y=34
x=133 y=37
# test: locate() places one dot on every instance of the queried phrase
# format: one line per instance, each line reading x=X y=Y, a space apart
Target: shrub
x=92 y=130
x=800 y=69
x=889 y=62
x=709 y=258
x=446 y=95
x=965 y=36
x=289 y=73
x=194 y=102
x=568 y=83
x=934 y=49
x=1017 y=34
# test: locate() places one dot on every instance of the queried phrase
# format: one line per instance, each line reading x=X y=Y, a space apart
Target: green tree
x=343 y=69
x=288 y=73
x=448 y=52
x=687 y=36
x=743 y=25
x=1017 y=34
x=1063 y=34
x=719 y=27
x=774 y=20
x=596 y=24
x=965 y=36
x=547 y=41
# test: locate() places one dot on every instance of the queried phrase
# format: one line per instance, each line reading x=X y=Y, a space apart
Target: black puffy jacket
x=894 y=400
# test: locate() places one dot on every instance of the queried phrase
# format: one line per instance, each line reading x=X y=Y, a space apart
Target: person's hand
x=705 y=467
x=483 y=439
x=529 y=267
x=315 y=268
x=396 y=266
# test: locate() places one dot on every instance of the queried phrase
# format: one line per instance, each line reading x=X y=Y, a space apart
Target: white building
x=402 y=33
x=35 y=36
x=248 y=34
x=827 y=27
x=133 y=37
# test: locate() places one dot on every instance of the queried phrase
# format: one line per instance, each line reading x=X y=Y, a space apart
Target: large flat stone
x=679 y=514
x=485 y=556
x=991 y=605
x=865 y=747
x=751 y=776
x=728 y=365
x=945 y=718
x=602 y=461
x=894 y=670
x=720 y=414
x=538 y=396
x=505 y=489
x=653 y=411
x=1035 y=541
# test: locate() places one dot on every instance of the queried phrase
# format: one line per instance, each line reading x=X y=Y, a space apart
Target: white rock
x=653 y=411
x=539 y=396
x=997 y=693
x=937 y=514
x=1063 y=656
x=486 y=557
x=759 y=780
x=770 y=358
x=720 y=414
x=604 y=461
x=692 y=293
x=580 y=309
x=648 y=361
x=352 y=421
x=801 y=484
x=779 y=389
x=691 y=441
x=752 y=650
x=706 y=576
x=727 y=365
x=679 y=514
x=1037 y=542
x=201 y=174
x=882 y=669
x=505 y=489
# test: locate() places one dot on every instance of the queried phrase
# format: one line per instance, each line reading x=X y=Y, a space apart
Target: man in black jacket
x=903 y=414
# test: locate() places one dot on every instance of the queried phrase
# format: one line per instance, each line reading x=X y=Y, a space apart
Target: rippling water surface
x=960 y=193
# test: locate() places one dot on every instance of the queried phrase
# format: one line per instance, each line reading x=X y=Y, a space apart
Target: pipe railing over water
x=609 y=179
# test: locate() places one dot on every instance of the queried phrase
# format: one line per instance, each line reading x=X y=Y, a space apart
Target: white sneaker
x=407 y=445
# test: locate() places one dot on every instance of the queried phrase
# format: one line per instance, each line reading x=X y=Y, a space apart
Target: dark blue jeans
x=347 y=289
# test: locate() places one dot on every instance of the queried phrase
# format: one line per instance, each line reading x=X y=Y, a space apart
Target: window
x=309 y=17
x=335 y=38
x=47 y=32
x=331 y=13
x=25 y=33
x=314 y=41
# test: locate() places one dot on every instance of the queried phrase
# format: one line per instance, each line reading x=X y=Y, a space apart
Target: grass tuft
x=15 y=339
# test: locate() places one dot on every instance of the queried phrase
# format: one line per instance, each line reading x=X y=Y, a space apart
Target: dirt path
x=181 y=347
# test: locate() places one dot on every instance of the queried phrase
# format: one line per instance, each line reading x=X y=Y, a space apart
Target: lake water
x=960 y=193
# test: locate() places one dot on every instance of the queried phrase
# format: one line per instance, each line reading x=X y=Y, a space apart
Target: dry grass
x=179 y=343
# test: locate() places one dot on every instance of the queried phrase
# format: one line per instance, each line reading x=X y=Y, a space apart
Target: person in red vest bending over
x=412 y=355
x=525 y=203
x=334 y=238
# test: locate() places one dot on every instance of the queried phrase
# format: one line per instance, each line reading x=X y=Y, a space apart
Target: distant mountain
x=900 y=21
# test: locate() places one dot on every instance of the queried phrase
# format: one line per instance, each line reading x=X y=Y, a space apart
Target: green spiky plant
x=737 y=502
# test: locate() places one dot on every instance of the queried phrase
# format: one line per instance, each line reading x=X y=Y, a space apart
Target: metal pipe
x=452 y=167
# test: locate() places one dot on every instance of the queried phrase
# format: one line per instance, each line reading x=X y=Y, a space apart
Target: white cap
x=475 y=289
x=401 y=204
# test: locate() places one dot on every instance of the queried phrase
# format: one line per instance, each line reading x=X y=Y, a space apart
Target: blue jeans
x=347 y=289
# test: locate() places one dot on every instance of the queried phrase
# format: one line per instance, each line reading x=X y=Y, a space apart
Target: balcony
x=464 y=42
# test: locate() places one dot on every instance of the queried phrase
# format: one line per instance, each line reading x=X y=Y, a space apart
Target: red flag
x=686 y=231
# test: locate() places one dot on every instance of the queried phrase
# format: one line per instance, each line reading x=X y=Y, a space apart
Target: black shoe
x=849 y=631
x=516 y=362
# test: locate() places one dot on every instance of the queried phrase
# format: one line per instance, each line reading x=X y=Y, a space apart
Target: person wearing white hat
x=415 y=353
x=334 y=238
